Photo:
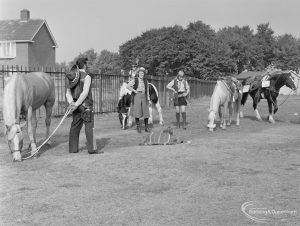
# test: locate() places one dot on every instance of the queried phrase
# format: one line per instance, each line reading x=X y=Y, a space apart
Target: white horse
x=226 y=94
x=23 y=95
x=154 y=102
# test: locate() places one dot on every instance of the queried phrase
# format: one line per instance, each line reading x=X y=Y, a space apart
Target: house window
x=8 y=49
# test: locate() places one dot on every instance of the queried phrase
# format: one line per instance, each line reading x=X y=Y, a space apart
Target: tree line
x=201 y=51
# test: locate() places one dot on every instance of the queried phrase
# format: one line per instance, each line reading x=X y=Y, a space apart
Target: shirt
x=141 y=86
x=84 y=94
x=185 y=88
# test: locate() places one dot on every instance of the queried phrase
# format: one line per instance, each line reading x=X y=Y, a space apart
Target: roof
x=249 y=74
x=22 y=31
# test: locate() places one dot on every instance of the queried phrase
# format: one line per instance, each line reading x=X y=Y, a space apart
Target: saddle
x=262 y=80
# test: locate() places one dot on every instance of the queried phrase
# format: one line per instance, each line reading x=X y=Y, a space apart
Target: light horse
x=257 y=92
x=227 y=93
x=23 y=95
x=123 y=101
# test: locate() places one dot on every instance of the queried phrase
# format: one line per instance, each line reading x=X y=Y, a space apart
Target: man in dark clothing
x=79 y=96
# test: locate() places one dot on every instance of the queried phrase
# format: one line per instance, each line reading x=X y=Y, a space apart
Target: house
x=26 y=42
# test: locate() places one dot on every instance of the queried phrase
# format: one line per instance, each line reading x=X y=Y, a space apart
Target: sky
x=79 y=25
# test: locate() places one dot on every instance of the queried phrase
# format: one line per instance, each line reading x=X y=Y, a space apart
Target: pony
x=125 y=103
x=256 y=90
x=123 y=109
x=23 y=95
x=227 y=93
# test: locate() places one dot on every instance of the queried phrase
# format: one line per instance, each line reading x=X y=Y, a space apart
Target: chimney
x=25 y=15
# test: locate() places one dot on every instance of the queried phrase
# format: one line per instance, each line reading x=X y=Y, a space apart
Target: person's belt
x=141 y=91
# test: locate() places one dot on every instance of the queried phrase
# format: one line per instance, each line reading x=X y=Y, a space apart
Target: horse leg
x=34 y=125
x=48 y=107
x=30 y=130
x=237 y=107
x=150 y=120
x=257 y=115
x=240 y=111
x=230 y=109
x=275 y=106
x=221 y=116
x=271 y=119
x=159 y=110
x=225 y=115
x=130 y=116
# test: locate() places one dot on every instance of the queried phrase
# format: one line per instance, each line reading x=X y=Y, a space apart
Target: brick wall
x=41 y=51
x=21 y=56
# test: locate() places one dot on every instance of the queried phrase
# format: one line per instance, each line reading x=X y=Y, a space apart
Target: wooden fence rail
x=105 y=88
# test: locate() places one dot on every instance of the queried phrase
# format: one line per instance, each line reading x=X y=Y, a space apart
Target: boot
x=146 y=125
x=138 y=126
x=178 y=119
x=184 y=119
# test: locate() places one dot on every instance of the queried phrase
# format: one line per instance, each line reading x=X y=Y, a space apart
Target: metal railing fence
x=105 y=88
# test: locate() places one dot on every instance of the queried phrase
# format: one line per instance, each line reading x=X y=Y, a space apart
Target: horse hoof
x=32 y=147
x=161 y=123
x=272 y=121
x=259 y=119
x=211 y=129
x=241 y=115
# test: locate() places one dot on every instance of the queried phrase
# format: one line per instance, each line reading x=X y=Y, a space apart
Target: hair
x=179 y=72
x=81 y=62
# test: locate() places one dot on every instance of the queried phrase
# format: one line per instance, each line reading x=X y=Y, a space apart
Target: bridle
x=278 y=90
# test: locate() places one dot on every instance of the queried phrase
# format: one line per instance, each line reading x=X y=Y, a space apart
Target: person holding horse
x=181 y=90
x=79 y=96
x=140 y=90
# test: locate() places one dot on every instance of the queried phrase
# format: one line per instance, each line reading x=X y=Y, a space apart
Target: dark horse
x=257 y=92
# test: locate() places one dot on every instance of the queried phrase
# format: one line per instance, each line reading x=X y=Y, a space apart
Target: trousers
x=78 y=120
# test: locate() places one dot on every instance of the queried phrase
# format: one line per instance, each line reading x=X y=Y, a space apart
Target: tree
x=264 y=44
x=107 y=62
x=287 y=52
x=91 y=55
x=240 y=43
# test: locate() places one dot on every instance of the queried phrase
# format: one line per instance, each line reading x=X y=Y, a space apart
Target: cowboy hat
x=73 y=76
x=141 y=69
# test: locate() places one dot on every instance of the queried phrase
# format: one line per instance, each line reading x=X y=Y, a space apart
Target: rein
x=39 y=147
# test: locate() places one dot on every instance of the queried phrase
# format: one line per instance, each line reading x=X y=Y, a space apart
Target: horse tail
x=244 y=98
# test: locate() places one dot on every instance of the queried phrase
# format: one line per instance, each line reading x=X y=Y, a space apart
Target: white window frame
x=8 y=49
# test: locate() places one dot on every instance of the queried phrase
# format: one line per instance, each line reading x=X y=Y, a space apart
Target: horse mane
x=278 y=74
x=9 y=107
x=11 y=103
x=215 y=100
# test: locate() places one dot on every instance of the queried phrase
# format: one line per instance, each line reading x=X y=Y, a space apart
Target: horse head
x=289 y=82
x=283 y=78
x=14 y=135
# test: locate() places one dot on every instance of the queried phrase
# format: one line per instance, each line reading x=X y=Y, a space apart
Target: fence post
x=100 y=93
